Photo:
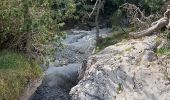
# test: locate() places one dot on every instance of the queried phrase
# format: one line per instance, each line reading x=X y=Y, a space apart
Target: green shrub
x=33 y=26
x=15 y=73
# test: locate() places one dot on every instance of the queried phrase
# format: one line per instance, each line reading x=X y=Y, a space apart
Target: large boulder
x=129 y=70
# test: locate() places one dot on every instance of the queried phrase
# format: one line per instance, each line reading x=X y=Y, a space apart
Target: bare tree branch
x=156 y=26
x=94 y=8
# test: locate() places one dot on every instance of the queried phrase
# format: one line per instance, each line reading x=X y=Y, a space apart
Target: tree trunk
x=97 y=22
x=27 y=23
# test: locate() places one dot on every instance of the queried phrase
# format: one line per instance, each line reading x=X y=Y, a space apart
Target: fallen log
x=155 y=26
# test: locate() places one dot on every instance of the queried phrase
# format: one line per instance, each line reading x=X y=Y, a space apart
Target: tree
x=97 y=7
x=33 y=26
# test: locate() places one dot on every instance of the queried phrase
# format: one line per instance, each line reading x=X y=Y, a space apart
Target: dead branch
x=98 y=3
x=94 y=8
x=155 y=26
x=134 y=8
x=137 y=17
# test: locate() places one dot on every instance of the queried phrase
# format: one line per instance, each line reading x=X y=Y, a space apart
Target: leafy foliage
x=35 y=23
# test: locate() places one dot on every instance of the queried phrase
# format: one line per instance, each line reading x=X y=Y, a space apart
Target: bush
x=33 y=26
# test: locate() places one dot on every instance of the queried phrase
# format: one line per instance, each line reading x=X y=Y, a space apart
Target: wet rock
x=51 y=93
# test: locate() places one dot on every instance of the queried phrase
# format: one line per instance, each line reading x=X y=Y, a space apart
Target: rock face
x=129 y=70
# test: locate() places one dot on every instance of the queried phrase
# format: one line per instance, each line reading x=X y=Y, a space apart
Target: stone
x=128 y=70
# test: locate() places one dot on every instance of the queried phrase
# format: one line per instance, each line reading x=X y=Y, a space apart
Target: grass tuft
x=115 y=38
x=15 y=73
x=163 y=51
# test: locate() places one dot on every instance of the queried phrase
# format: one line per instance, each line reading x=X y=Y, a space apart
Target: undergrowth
x=163 y=51
x=15 y=73
x=117 y=36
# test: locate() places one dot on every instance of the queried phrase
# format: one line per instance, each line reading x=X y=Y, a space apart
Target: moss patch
x=115 y=38
x=163 y=51
x=15 y=73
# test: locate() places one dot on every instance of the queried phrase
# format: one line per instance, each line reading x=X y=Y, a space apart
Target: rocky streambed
x=63 y=74
x=129 y=70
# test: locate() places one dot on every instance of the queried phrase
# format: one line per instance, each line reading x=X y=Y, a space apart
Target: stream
x=62 y=74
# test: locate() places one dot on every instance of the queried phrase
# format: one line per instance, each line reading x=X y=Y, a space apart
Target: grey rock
x=128 y=70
